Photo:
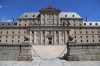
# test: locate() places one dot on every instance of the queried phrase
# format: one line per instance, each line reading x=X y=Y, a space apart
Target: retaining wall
x=15 y=52
x=84 y=52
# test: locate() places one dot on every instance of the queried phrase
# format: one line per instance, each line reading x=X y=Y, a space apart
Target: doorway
x=50 y=41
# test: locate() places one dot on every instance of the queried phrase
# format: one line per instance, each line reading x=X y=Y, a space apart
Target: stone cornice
x=71 y=27
x=71 y=18
x=28 y=18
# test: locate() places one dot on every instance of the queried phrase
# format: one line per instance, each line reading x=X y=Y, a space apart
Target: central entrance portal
x=50 y=41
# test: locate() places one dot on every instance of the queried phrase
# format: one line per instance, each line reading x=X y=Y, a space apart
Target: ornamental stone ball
x=70 y=38
x=26 y=37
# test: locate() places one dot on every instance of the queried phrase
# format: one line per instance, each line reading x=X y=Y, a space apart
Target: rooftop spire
x=86 y=19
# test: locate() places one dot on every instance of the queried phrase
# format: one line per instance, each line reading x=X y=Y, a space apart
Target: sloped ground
x=48 y=51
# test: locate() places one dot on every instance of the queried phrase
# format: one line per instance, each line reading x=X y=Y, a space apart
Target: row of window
x=87 y=36
x=9 y=24
x=14 y=28
x=12 y=41
x=72 y=15
x=26 y=20
x=91 y=24
x=7 y=36
x=26 y=15
x=86 y=40
x=13 y=32
x=86 y=32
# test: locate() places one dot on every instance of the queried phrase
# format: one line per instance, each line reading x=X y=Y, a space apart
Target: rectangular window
x=67 y=32
x=8 y=23
x=56 y=32
x=12 y=40
x=2 y=23
x=19 y=24
x=75 y=40
x=93 y=40
x=6 y=36
x=98 y=31
x=18 y=40
x=92 y=36
x=19 y=20
x=98 y=36
x=75 y=36
x=1 y=32
x=24 y=32
x=7 y=32
x=6 y=40
x=18 y=36
x=80 y=36
x=81 y=40
x=19 y=32
x=86 y=36
x=25 y=24
x=80 y=24
x=0 y=36
x=87 y=40
x=92 y=32
x=12 y=36
x=86 y=32
x=13 y=32
x=0 y=40
x=80 y=32
x=75 y=32
x=99 y=40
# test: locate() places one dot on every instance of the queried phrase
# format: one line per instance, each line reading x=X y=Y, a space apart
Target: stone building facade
x=50 y=26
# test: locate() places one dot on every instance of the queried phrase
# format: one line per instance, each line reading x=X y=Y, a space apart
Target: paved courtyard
x=56 y=62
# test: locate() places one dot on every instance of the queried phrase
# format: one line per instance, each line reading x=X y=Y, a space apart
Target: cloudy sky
x=14 y=8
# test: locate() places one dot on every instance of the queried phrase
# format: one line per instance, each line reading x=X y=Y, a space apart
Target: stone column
x=54 y=34
x=30 y=36
x=33 y=37
x=44 y=37
x=41 y=36
x=58 y=37
x=65 y=37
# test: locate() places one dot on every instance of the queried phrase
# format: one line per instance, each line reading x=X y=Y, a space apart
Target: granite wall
x=15 y=52
x=84 y=52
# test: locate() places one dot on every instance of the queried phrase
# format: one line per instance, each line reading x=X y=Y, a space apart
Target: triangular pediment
x=49 y=9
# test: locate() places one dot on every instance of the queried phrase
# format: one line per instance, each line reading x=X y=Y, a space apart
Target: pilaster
x=30 y=36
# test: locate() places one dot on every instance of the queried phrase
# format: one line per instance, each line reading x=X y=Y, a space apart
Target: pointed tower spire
x=12 y=19
x=86 y=19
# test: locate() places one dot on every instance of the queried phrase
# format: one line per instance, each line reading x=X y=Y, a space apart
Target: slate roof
x=62 y=15
x=92 y=23
x=7 y=24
